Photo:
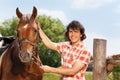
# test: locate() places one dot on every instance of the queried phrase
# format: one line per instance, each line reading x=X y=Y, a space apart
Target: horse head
x=28 y=36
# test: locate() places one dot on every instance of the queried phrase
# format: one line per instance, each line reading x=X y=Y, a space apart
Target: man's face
x=74 y=35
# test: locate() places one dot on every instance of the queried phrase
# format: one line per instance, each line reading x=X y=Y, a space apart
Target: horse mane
x=17 y=65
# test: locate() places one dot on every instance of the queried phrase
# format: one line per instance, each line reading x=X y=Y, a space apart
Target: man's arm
x=48 y=43
x=65 y=71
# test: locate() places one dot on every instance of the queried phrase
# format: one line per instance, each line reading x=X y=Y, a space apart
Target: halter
x=28 y=41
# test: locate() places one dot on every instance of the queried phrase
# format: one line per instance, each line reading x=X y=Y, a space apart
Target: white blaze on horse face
x=26 y=25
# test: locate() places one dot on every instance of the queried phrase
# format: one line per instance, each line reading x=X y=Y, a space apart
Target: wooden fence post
x=99 y=61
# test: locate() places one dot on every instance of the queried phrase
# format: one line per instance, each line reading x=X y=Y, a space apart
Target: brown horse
x=20 y=61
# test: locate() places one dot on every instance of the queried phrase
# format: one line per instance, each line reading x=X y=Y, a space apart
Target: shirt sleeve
x=84 y=57
x=59 y=46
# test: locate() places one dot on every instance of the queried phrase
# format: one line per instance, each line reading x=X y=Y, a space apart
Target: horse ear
x=18 y=13
x=34 y=13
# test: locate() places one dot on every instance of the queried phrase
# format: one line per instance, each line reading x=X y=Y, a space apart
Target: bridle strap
x=39 y=63
x=28 y=41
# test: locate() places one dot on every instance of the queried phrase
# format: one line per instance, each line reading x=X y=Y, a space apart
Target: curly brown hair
x=75 y=25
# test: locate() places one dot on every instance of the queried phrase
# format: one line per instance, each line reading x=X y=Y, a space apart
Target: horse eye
x=35 y=30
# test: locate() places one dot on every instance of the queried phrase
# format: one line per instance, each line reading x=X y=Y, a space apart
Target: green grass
x=88 y=76
x=51 y=76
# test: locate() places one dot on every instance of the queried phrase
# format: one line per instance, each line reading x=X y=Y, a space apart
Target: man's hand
x=45 y=68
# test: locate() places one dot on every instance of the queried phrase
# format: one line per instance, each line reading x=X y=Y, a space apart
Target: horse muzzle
x=25 y=56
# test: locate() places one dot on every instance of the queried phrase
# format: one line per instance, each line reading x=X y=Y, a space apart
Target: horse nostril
x=25 y=57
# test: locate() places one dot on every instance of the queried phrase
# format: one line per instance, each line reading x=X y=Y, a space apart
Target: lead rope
x=39 y=63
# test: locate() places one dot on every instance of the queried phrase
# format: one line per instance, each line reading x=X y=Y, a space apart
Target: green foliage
x=116 y=73
x=52 y=27
x=8 y=27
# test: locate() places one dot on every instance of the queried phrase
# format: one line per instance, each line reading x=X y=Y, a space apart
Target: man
x=75 y=56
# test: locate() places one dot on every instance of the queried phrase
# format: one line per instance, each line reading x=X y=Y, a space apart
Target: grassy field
x=88 y=76
x=52 y=76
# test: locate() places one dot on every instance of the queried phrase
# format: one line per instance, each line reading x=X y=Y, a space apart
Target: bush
x=116 y=73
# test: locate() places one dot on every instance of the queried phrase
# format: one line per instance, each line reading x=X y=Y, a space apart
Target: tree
x=8 y=27
x=116 y=73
